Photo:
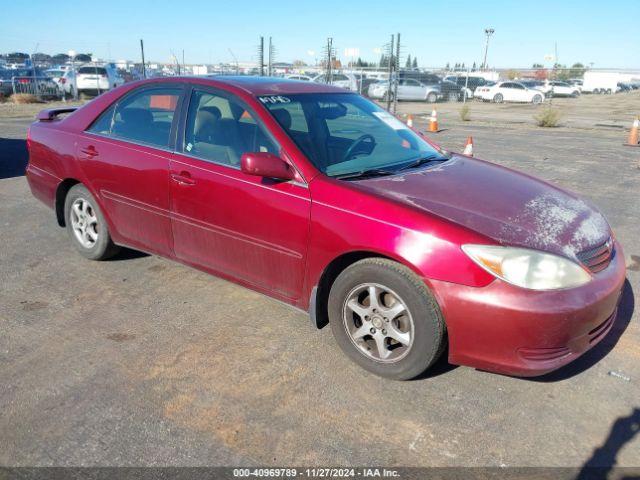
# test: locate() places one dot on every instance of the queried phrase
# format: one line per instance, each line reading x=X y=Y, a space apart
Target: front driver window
x=222 y=130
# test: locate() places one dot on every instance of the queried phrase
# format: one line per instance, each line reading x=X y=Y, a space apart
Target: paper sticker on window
x=188 y=147
x=163 y=102
x=390 y=120
x=274 y=99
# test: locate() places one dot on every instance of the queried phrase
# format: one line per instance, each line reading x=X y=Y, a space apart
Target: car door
x=248 y=228
x=520 y=93
x=125 y=154
x=415 y=90
x=506 y=91
x=404 y=91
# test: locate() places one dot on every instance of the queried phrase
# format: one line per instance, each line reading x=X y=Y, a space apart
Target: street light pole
x=488 y=32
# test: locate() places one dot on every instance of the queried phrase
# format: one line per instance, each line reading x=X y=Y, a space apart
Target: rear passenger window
x=146 y=117
x=222 y=130
x=103 y=124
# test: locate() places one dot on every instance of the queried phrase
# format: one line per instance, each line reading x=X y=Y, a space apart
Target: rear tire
x=432 y=98
x=86 y=225
x=537 y=99
x=498 y=98
x=399 y=334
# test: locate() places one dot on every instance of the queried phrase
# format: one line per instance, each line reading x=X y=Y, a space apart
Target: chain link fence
x=43 y=88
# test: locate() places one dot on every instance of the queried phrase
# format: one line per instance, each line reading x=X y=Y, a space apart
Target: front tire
x=86 y=225
x=537 y=99
x=385 y=319
x=432 y=97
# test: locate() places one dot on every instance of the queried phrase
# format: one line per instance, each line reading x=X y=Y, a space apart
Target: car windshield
x=345 y=134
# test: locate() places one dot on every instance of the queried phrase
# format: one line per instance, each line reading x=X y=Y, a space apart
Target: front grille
x=597 y=258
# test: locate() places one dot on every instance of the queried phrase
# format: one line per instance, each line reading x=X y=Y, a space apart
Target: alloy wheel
x=84 y=222
x=378 y=322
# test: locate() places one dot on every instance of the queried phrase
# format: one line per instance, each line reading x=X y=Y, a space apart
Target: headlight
x=528 y=268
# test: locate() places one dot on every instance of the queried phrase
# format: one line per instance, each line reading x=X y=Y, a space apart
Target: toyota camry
x=317 y=197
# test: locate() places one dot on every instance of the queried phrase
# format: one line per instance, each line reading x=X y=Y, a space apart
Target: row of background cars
x=61 y=81
x=412 y=85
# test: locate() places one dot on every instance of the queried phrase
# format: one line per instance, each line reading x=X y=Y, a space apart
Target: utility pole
x=390 y=62
x=183 y=59
x=270 y=57
x=397 y=68
x=144 y=69
x=261 y=55
x=329 y=60
x=235 y=60
x=488 y=32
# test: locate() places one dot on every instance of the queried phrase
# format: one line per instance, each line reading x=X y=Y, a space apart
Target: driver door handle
x=183 y=178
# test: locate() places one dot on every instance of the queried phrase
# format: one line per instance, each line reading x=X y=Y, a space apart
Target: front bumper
x=510 y=330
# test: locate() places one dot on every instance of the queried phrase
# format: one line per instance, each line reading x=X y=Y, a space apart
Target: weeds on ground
x=548 y=117
x=465 y=113
x=24 y=98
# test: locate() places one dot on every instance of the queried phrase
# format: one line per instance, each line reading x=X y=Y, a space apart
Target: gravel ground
x=142 y=361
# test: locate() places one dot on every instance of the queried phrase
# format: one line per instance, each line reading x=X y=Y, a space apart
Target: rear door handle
x=89 y=152
x=183 y=178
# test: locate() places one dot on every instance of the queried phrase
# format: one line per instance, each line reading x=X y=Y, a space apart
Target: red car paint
x=281 y=237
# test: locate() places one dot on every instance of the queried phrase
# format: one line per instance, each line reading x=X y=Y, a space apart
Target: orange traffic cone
x=633 y=140
x=410 y=121
x=433 y=121
x=468 y=147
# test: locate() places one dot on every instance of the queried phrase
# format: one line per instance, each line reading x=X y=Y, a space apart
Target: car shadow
x=127 y=254
x=602 y=349
x=441 y=367
x=13 y=157
x=603 y=458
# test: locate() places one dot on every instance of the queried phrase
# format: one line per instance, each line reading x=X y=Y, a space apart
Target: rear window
x=93 y=70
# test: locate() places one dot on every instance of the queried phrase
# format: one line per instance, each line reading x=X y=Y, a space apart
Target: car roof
x=267 y=85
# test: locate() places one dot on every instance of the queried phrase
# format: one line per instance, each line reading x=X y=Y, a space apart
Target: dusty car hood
x=507 y=206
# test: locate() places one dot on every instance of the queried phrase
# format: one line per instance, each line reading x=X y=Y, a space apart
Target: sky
x=436 y=32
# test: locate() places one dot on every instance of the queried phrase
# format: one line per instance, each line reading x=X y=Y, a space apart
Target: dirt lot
x=141 y=361
x=588 y=112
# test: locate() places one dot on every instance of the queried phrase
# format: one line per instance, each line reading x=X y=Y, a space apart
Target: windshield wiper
x=373 y=172
x=422 y=161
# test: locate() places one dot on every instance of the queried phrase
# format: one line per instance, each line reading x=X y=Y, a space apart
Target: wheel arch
x=61 y=194
x=320 y=292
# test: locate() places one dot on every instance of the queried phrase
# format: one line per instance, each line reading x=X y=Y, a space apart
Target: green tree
x=577 y=70
x=408 y=62
x=415 y=62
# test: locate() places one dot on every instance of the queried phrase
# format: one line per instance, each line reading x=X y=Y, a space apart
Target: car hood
x=509 y=207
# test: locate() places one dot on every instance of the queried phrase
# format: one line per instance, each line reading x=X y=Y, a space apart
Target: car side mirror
x=264 y=164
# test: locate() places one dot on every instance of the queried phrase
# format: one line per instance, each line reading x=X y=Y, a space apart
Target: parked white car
x=408 y=89
x=559 y=89
x=575 y=82
x=295 y=76
x=342 y=80
x=509 y=92
x=94 y=79
x=67 y=83
x=56 y=75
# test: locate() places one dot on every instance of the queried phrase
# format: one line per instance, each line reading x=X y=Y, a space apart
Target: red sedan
x=318 y=197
